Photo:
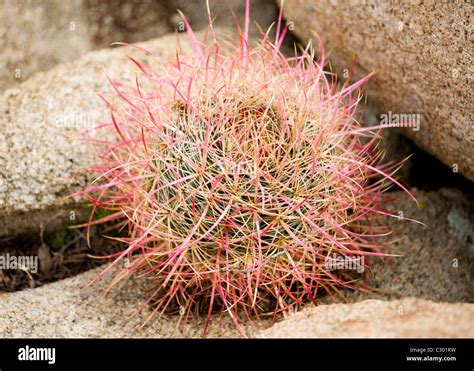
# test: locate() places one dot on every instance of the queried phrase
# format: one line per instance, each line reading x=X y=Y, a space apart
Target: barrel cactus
x=237 y=172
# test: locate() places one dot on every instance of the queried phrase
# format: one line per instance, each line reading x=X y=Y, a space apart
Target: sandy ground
x=437 y=260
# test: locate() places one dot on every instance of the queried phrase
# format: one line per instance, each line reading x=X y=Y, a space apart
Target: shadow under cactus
x=57 y=254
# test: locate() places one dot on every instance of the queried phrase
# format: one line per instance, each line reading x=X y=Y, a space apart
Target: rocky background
x=51 y=68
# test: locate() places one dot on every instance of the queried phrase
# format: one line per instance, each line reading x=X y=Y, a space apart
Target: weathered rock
x=262 y=13
x=126 y=20
x=41 y=154
x=420 y=53
x=37 y=35
x=407 y=318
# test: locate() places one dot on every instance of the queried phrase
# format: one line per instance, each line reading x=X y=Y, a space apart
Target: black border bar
x=140 y=352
